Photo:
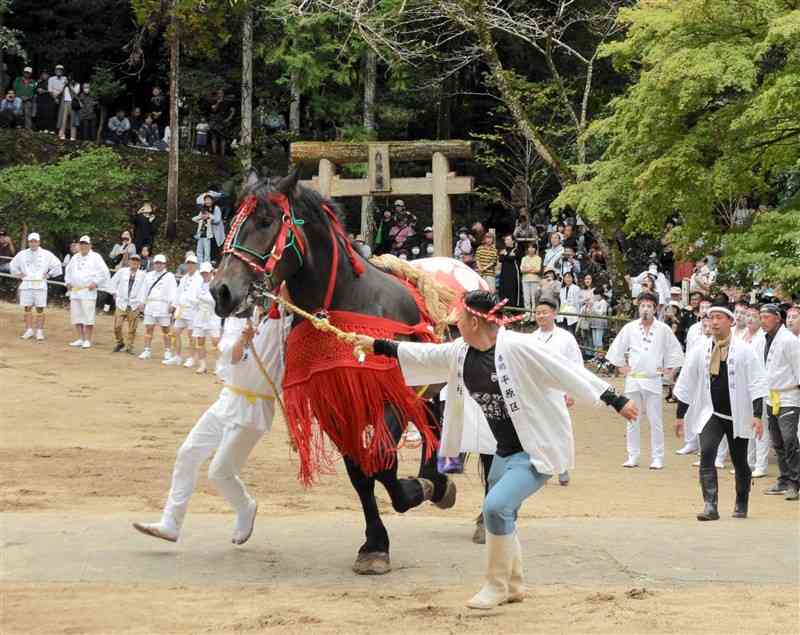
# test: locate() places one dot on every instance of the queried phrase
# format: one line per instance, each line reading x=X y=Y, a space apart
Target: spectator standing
x=74 y=248
x=33 y=266
x=587 y=296
x=570 y=263
x=702 y=278
x=401 y=233
x=525 y=233
x=158 y=106
x=570 y=296
x=122 y=251
x=7 y=251
x=383 y=243
x=220 y=117
x=486 y=261
x=66 y=121
x=119 y=128
x=136 y=120
x=530 y=267
x=44 y=105
x=87 y=114
x=363 y=247
x=463 y=250
x=569 y=239
x=143 y=230
x=554 y=254
x=201 y=135
x=147 y=261
x=158 y=297
x=204 y=234
x=127 y=288
x=598 y=326
x=206 y=323
x=184 y=307
x=55 y=86
x=85 y=273
x=25 y=88
x=510 y=281
x=11 y=111
x=426 y=243
x=217 y=226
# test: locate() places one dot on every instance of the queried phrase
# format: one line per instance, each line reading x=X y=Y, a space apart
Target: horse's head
x=265 y=244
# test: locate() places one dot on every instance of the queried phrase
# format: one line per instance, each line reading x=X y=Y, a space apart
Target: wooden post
x=442 y=216
x=326 y=174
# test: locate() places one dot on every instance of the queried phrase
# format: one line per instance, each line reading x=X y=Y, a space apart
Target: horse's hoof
x=372 y=563
x=427 y=488
x=448 y=499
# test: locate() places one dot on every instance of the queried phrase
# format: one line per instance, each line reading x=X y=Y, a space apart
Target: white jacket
x=645 y=354
x=118 y=287
x=35 y=267
x=157 y=297
x=782 y=366
x=185 y=302
x=205 y=316
x=533 y=380
x=83 y=270
x=746 y=382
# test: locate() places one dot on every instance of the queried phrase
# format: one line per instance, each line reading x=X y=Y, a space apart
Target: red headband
x=491 y=315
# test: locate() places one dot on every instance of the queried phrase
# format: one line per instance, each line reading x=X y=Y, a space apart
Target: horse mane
x=307 y=202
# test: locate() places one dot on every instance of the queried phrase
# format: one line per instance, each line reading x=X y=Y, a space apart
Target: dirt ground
x=85 y=433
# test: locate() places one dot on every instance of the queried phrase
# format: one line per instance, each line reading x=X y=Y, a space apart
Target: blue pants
x=512 y=479
x=203 y=250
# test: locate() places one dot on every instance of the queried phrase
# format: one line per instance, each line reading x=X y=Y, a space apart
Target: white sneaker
x=201 y=369
x=631 y=462
x=657 y=464
x=86 y=344
x=145 y=354
x=244 y=524
x=175 y=360
x=759 y=473
x=167 y=355
x=686 y=449
x=157 y=530
x=189 y=363
x=76 y=343
x=40 y=335
x=28 y=334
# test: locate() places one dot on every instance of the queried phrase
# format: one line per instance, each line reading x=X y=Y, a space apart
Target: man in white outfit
x=231 y=427
x=644 y=350
x=158 y=295
x=561 y=341
x=183 y=309
x=86 y=272
x=206 y=324
x=793 y=320
x=34 y=266
x=127 y=287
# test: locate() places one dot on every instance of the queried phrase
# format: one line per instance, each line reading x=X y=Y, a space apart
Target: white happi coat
x=35 y=267
x=185 y=301
x=782 y=367
x=247 y=399
x=694 y=335
x=205 y=316
x=118 y=287
x=646 y=354
x=82 y=271
x=533 y=380
x=661 y=285
x=561 y=341
x=570 y=302
x=157 y=297
x=746 y=382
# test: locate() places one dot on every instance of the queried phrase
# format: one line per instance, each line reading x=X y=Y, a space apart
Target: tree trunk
x=341 y=152
x=294 y=107
x=246 y=136
x=370 y=81
x=174 y=126
x=102 y=125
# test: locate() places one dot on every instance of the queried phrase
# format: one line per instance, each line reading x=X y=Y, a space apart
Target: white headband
x=721 y=309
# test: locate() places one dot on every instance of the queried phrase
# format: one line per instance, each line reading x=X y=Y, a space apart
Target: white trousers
x=232 y=444
x=649 y=404
x=758 y=449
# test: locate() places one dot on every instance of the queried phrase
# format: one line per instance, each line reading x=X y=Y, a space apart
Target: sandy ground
x=87 y=440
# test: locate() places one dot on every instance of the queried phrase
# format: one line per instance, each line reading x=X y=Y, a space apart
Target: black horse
x=290 y=234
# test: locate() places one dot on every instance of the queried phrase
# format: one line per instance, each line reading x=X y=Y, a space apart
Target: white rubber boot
x=500 y=552
x=516 y=585
x=157 y=530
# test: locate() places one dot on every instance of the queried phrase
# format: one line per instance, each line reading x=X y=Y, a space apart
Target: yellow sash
x=775 y=401
x=251 y=396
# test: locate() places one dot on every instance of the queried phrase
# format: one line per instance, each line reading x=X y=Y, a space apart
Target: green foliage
x=11 y=39
x=106 y=87
x=707 y=128
x=80 y=194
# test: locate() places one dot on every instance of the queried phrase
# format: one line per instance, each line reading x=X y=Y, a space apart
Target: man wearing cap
x=780 y=351
x=644 y=351
x=426 y=243
x=231 y=427
x=158 y=296
x=720 y=394
x=34 y=266
x=127 y=286
x=183 y=310
x=55 y=86
x=207 y=323
x=86 y=272
x=561 y=341
x=25 y=87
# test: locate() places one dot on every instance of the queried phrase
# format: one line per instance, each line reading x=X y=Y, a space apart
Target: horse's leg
x=444 y=488
x=373 y=556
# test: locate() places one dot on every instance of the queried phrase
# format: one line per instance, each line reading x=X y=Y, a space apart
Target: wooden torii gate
x=439 y=183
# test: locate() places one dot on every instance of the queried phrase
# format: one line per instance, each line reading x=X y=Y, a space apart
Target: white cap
x=27 y=69
x=34 y=236
x=675 y=291
x=206 y=267
x=399 y=202
x=85 y=239
x=61 y=66
x=191 y=258
x=160 y=258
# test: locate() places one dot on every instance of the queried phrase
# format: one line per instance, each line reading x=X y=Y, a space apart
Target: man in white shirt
x=158 y=295
x=183 y=310
x=695 y=333
x=740 y=319
x=206 y=323
x=86 y=272
x=644 y=350
x=34 y=266
x=56 y=83
x=127 y=287
x=780 y=350
x=561 y=341
x=793 y=320
x=231 y=427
